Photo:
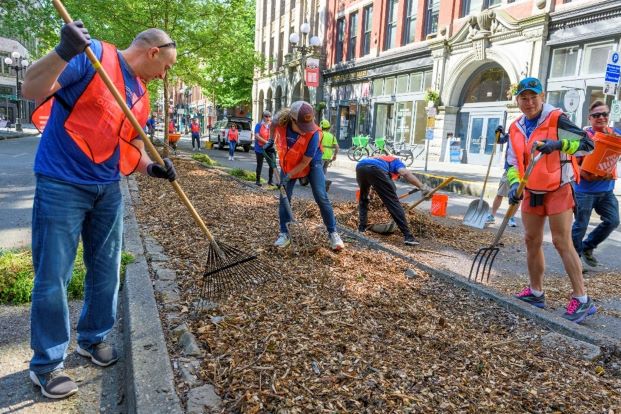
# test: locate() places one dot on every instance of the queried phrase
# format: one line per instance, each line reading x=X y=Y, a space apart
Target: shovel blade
x=476 y=215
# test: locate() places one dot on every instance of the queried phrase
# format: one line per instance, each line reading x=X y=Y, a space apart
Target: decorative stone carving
x=479 y=46
x=484 y=20
x=473 y=28
x=541 y=4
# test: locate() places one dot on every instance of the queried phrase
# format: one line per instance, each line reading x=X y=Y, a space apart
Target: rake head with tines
x=484 y=259
x=229 y=269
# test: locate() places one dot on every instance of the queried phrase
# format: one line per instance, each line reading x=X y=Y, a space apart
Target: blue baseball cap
x=529 y=84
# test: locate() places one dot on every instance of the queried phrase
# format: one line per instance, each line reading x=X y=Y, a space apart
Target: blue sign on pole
x=613 y=68
x=429 y=134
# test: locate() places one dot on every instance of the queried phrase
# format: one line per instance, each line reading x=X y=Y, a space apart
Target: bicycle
x=407 y=153
x=355 y=152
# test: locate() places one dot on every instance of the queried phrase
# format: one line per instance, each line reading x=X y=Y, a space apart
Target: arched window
x=488 y=84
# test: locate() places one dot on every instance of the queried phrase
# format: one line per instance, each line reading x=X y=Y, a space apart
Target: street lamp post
x=19 y=65
x=306 y=47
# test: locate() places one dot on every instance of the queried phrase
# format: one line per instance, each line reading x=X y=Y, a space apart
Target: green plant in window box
x=320 y=106
x=433 y=96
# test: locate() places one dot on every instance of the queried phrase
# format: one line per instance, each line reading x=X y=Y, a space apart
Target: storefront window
x=489 y=85
x=343 y=122
x=402 y=84
x=389 y=87
x=564 y=62
x=595 y=58
x=427 y=80
x=554 y=99
x=383 y=120
x=416 y=82
x=363 y=121
x=378 y=85
x=403 y=121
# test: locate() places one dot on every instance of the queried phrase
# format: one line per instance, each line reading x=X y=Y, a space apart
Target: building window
x=273 y=15
x=389 y=86
x=4 y=68
x=353 y=31
x=264 y=12
x=595 y=58
x=432 y=10
x=271 y=53
x=488 y=85
x=427 y=80
x=391 y=24
x=416 y=82
x=554 y=99
x=292 y=3
x=564 y=62
x=340 y=37
x=280 y=49
x=409 y=27
x=368 y=24
x=282 y=8
x=378 y=85
x=402 y=84
x=476 y=6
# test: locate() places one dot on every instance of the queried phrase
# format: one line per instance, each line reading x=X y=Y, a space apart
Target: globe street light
x=307 y=47
x=18 y=65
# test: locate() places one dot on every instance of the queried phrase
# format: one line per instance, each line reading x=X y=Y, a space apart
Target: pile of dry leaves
x=348 y=332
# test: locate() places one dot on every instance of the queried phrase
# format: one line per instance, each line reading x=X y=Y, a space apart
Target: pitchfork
x=486 y=255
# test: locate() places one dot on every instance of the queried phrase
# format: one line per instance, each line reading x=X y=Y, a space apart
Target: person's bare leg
x=560 y=227
x=496 y=204
x=533 y=237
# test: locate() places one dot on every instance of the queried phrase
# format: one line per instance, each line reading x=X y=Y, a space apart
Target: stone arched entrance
x=261 y=106
x=278 y=99
x=296 y=93
x=482 y=105
x=268 y=100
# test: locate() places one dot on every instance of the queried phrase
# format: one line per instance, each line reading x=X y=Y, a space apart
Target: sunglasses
x=530 y=84
x=171 y=44
x=599 y=114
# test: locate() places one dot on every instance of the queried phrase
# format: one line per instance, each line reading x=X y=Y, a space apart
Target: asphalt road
x=17 y=183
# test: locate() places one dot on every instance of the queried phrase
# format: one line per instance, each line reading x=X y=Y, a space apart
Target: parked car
x=221 y=128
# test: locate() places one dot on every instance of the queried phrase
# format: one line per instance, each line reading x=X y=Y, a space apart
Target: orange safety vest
x=233 y=134
x=389 y=159
x=591 y=133
x=195 y=127
x=264 y=132
x=290 y=157
x=96 y=123
x=547 y=174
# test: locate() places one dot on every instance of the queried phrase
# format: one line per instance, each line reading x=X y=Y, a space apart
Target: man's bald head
x=151 y=38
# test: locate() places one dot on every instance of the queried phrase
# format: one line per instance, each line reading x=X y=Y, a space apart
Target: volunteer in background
x=548 y=192
x=330 y=148
x=595 y=193
x=378 y=173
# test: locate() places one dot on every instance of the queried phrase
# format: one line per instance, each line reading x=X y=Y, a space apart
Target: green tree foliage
x=215 y=38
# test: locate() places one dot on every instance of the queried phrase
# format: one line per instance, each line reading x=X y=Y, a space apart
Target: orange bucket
x=603 y=160
x=173 y=138
x=438 y=205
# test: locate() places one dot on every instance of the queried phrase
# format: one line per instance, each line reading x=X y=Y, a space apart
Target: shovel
x=477 y=212
x=391 y=226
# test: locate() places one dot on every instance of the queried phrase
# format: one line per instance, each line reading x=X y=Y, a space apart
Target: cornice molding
x=586 y=15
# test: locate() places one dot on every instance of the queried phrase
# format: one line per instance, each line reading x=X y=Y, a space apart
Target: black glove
x=285 y=180
x=268 y=145
x=513 y=197
x=550 y=145
x=157 y=171
x=74 y=39
x=500 y=130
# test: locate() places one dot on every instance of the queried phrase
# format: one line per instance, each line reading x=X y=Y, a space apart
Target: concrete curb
x=150 y=387
x=541 y=317
x=19 y=135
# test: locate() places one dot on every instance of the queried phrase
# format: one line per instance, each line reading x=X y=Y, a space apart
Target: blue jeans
x=606 y=205
x=318 y=186
x=232 y=145
x=62 y=212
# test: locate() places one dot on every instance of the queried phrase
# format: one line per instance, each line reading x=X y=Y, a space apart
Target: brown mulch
x=348 y=332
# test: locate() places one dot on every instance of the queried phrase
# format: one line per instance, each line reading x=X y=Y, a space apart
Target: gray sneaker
x=101 y=354
x=54 y=384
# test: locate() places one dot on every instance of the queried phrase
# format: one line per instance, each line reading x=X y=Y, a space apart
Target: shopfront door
x=481 y=137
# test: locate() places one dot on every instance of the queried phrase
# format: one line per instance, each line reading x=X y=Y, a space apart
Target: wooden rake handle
x=128 y=113
x=432 y=192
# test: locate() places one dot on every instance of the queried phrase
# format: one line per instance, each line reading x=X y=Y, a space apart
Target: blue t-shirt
x=599 y=186
x=257 y=129
x=392 y=167
x=312 y=150
x=58 y=155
